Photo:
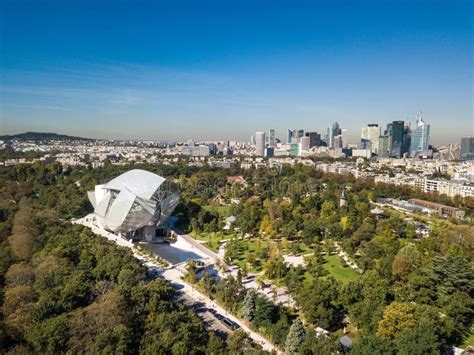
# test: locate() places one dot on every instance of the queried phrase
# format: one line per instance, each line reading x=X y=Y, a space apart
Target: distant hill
x=37 y=136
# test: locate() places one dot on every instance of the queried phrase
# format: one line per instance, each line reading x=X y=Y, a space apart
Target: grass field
x=224 y=211
x=334 y=266
x=212 y=239
x=206 y=236
x=249 y=245
x=469 y=341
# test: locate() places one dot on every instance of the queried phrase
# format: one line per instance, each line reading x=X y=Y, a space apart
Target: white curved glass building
x=133 y=200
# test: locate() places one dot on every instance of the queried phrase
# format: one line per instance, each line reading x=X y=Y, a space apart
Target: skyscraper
x=260 y=144
x=314 y=139
x=420 y=136
x=344 y=133
x=396 y=134
x=333 y=131
x=289 y=136
x=383 y=148
x=295 y=135
x=406 y=139
x=305 y=142
x=330 y=138
x=271 y=141
x=371 y=133
x=467 y=148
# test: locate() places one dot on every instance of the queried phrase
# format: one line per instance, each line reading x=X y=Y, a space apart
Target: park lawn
x=205 y=236
x=223 y=210
x=334 y=266
x=469 y=341
x=249 y=245
x=211 y=240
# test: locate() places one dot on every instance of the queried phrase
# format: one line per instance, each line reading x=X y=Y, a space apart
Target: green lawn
x=469 y=341
x=335 y=268
x=224 y=211
x=206 y=236
x=249 y=245
x=212 y=239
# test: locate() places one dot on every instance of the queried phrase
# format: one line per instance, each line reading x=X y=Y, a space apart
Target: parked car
x=230 y=324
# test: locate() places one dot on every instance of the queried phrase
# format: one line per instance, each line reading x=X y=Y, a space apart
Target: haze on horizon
x=173 y=70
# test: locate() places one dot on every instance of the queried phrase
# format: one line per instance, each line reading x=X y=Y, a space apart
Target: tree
x=315 y=263
x=320 y=344
x=406 y=260
x=265 y=312
x=49 y=336
x=19 y=274
x=239 y=343
x=368 y=300
x=317 y=302
x=372 y=344
x=18 y=303
x=452 y=273
x=22 y=245
x=99 y=327
x=295 y=337
x=459 y=307
x=191 y=271
x=397 y=317
x=418 y=287
x=215 y=345
x=275 y=267
x=417 y=341
x=248 y=305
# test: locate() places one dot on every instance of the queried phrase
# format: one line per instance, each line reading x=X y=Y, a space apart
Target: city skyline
x=177 y=71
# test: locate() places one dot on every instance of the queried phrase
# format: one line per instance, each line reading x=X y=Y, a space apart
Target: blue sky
x=169 y=70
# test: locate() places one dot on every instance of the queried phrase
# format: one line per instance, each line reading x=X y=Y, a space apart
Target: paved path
x=175 y=277
x=347 y=258
x=197 y=245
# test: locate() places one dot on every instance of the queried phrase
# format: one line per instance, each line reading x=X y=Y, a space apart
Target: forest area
x=64 y=289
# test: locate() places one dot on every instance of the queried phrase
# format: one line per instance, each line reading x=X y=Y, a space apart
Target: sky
x=224 y=69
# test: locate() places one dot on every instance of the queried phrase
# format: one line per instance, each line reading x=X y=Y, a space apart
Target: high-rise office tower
x=344 y=133
x=467 y=148
x=333 y=131
x=289 y=136
x=298 y=133
x=330 y=137
x=396 y=138
x=260 y=144
x=336 y=129
x=337 y=141
x=383 y=148
x=305 y=142
x=420 y=136
x=371 y=133
x=271 y=141
x=406 y=140
x=314 y=139
x=295 y=135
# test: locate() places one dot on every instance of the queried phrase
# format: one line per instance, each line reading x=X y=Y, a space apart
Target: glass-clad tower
x=397 y=138
x=420 y=136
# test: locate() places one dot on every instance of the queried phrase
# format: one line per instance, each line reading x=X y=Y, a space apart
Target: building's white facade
x=372 y=133
x=445 y=187
x=260 y=144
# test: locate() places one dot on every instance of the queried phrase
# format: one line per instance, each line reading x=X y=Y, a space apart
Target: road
x=209 y=319
x=174 y=276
